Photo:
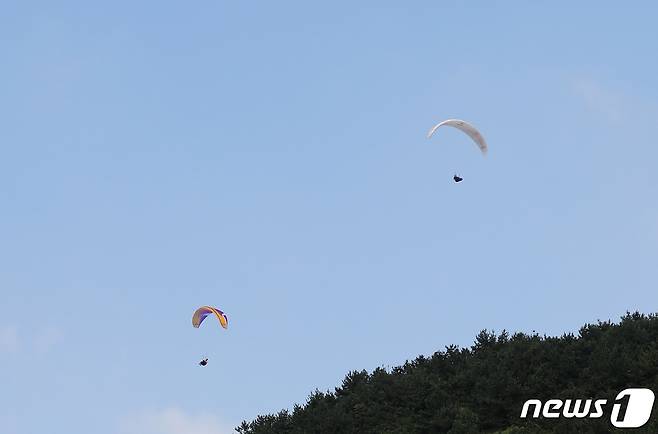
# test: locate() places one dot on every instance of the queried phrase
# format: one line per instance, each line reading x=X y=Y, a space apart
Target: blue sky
x=269 y=158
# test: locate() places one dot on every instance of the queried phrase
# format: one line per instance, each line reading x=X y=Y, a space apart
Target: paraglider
x=467 y=128
x=200 y=314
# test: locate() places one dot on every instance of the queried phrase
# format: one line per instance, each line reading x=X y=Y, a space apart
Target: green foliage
x=483 y=388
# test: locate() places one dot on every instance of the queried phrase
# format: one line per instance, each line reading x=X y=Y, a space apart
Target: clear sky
x=270 y=159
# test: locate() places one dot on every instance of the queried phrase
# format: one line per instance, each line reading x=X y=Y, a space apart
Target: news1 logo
x=631 y=408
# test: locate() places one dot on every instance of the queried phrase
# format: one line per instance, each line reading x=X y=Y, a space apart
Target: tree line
x=483 y=388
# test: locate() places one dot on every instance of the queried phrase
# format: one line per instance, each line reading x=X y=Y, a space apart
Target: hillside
x=483 y=388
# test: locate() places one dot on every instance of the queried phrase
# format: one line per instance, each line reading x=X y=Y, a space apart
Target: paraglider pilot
x=203 y=362
x=457 y=178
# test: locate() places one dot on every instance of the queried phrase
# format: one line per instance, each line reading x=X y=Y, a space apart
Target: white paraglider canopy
x=464 y=126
